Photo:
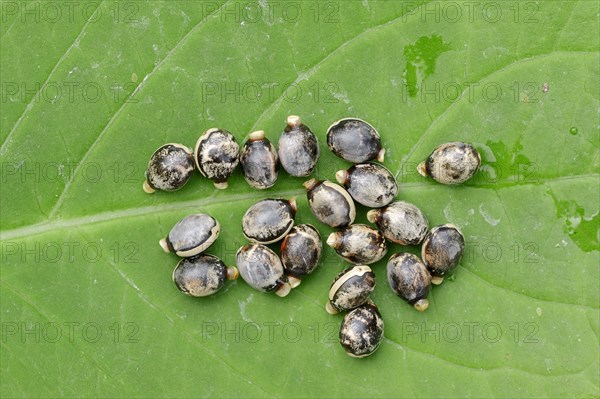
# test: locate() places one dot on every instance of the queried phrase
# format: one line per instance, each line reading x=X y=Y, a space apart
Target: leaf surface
x=88 y=305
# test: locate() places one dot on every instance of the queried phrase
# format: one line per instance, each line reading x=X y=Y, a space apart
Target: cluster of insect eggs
x=372 y=185
x=270 y=221
x=217 y=155
x=197 y=274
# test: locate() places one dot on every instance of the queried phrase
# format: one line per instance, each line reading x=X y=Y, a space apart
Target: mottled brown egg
x=369 y=184
x=269 y=220
x=361 y=331
x=191 y=235
x=451 y=163
x=330 y=203
x=400 y=222
x=301 y=252
x=298 y=148
x=351 y=288
x=202 y=275
x=217 y=154
x=354 y=140
x=262 y=270
x=170 y=167
x=442 y=250
x=259 y=160
x=409 y=279
x=358 y=244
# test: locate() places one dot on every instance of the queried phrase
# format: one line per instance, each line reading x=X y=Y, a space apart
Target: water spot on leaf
x=508 y=156
x=487 y=217
x=458 y=215
x=582 y=230
x=487 y=155
x=510 y=162
x=243 y=305
x=421 y=58
x=573 y=131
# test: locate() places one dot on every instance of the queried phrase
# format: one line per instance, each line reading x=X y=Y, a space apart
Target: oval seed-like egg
x=217 y=154
x=298 y=148
x=442 y=251
x=351 y=288
x=202 y=275
x=259 y=161
x=400 y=222
x=369 y=184
x=451 y=163
x=170 y=167
x=358 y=244
x=409 y=279
x=301 y=251
x=354 y=140
x=191 y=235
x=262 y=270
x=269 y=220
x=330 y=203
x=361 y=331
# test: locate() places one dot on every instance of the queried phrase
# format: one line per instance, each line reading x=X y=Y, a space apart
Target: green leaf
x=88 y=306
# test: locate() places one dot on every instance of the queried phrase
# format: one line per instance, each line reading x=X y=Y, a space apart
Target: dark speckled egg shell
x=409 y=279
x=358 y=244
x=361 y=331
x=268 y=220
x=301 y=250
x=192 y=235
x=169 y=168
x=451 y=163
x=217 y=154
x=400 y=222
x=200 y=275
x=354 y=140
x=298 y=148
x=261 y=268
x=330 y=203
x=442 y=250
x=259 y=160
x=350 y=288
x=369 y=184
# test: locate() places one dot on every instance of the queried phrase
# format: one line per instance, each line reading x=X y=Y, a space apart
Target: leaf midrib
x=51 y=225
x=57 y=224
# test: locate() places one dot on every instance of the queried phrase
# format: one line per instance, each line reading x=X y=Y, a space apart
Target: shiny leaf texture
x=90 y=90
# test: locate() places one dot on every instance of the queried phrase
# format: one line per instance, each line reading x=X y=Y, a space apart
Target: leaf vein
x=311 y=71
x=487 y=282
x=59 y=62
x=123 y=106
x=462 y=95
